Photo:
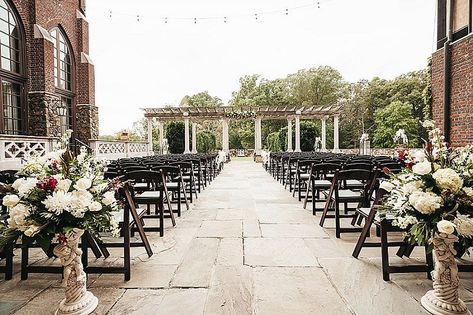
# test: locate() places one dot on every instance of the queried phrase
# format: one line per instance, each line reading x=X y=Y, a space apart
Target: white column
x=150 y=135
x=225 y=139
x=289 y=135
x=298 y=132
x=336 y=140
x=186 y=134
x=324 y=133
x=258 y=136
x=194 y=137
x=161 y=137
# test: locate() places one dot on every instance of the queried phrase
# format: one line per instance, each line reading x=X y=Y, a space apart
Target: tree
x=272 y=142
x=202 y=99
x=390 y=119
x=175 y=135
x=321 y=86
x=206 y=142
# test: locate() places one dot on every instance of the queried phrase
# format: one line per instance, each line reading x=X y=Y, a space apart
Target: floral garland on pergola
x=241 y=115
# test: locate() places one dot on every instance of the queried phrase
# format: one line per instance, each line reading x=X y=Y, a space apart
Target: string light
x=256 y=15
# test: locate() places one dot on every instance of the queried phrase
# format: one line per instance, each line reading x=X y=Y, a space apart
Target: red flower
x=48 y=184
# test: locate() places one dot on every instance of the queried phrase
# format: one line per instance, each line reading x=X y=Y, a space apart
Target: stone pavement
x=245 y=247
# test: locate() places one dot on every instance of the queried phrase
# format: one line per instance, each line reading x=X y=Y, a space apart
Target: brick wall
x=461 y=93
x=39 y=61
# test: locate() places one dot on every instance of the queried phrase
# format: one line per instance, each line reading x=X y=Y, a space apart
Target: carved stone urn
x=443 y=299
x=78 y=300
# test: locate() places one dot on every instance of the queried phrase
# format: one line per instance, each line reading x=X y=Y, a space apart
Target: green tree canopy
x=390 y=119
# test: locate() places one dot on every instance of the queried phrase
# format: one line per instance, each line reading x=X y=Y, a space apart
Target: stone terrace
x=246 y=247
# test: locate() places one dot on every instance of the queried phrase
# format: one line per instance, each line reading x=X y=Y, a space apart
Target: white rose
x=17 y=183
x=448 y=179
x=64 y=185
x=422 y=168
x=81 y=199
x=95 y=206
x=108 y=198
x=10 y=200
x=18 y=214
x=419 y=156
x=387 y=186
x=446 y=227
x=83 y=184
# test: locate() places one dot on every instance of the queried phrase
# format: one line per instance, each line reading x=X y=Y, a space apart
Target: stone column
x=324 y=133
x=225 y=139
x=186 y=133
x=150 y=135
x=161 y=136
x=336 y=140
x=289 y=135
x=194 y=137
x=298 y=132
x=258 y=136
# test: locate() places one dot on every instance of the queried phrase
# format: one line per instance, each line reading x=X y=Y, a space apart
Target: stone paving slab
x=246 y=246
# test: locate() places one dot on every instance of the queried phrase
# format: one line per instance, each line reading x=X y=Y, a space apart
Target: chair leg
x=430 y=262
x=364 y=233
x=24 y=259
x=384 y=253
x=9 y=263
x=337 y=218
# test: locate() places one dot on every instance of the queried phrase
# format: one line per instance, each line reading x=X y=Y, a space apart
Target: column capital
x=298 y=112
x=325 y=117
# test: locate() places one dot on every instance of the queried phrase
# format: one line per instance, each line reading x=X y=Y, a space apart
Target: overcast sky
x=150 y=63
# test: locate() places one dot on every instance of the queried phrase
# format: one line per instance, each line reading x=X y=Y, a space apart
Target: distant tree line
x=378 y=107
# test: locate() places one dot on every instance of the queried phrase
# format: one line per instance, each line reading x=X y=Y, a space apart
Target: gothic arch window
x=63 y=64
x=12 y=100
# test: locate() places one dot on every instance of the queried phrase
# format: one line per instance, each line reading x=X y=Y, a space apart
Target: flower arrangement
x=57 y=193
x=434 y=193
x=241 y=115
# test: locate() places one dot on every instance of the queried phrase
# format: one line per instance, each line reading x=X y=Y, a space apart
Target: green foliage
x=391 y=118
x=272 y=142
x=202 y=99
x=175 y=135
x=308 y=134
x=234 y=139
x=206 y=142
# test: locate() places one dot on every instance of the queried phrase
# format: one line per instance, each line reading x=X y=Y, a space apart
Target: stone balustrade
x=15 y=150
x=111 y=150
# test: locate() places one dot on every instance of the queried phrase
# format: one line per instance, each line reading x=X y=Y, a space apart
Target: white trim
x=41 y=32
x=80 y=15
x=84 y=58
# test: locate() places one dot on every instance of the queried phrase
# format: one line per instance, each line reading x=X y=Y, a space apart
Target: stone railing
x=111 y=150
x=14 y=150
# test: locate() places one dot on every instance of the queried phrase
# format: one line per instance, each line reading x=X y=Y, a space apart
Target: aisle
x=245 y=247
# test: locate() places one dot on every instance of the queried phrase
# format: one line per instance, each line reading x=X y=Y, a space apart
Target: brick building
x=452 y=71
x=47 y=77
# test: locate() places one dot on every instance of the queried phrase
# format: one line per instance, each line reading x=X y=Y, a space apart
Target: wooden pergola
x=257 y=113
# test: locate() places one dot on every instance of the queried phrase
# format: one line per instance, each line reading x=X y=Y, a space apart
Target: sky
x=141 y=61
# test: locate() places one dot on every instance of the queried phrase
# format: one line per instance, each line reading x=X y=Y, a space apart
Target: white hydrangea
x=419 y=156
x=464 y=225
x=448 y=179
x=404 y=222
x=425 y=202
x=412 y=186
x=58 y=202
x=17 y=218
x=422 y=168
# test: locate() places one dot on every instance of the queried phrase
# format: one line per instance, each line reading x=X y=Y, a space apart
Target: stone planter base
x=87 y=304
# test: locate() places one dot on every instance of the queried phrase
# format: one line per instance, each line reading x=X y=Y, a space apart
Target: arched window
x=12 y=118
x=63 y=76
